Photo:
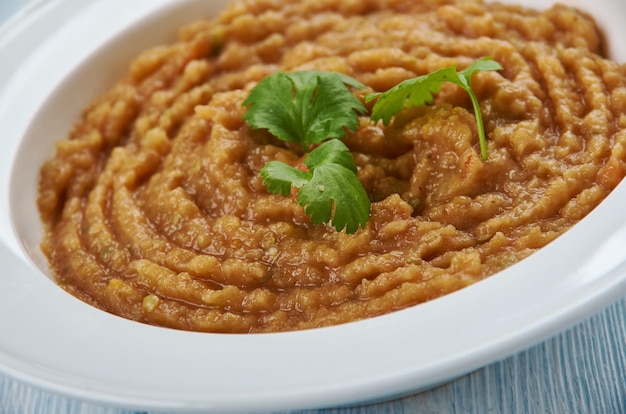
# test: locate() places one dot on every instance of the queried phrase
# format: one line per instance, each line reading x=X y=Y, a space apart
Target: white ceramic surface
x=55 y=59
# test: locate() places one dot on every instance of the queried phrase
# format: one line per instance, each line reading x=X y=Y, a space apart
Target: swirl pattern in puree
x=154 y=210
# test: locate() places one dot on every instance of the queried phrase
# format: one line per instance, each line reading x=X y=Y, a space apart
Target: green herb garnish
x=329 y=189
x=315 y=109
x=420 y=90
x=305 y=107
x=309 y=108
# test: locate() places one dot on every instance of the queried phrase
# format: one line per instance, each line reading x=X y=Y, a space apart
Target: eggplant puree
x=154 y=210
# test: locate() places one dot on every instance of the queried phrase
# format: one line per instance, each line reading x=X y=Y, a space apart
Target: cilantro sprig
x=305 y=107
x=329 y=189
x=420 y=91
x=313 y=108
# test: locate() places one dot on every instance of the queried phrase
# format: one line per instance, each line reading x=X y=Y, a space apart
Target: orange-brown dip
x=154 y=209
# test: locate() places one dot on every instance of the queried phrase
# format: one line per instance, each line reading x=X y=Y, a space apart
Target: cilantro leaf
x=334 y=194
x=305 y=107
x=333 y=151
x=420 y=90
x=330 y=191
x=409 y=93
x=279 y=177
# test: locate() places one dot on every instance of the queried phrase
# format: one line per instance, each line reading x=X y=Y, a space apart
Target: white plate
x=54 y=341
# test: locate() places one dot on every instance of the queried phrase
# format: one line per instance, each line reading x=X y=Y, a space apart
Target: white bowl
x=52 y=340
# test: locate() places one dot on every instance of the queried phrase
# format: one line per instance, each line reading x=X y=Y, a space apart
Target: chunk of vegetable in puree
x=154 y=209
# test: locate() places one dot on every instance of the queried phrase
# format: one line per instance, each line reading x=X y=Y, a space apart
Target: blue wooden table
x=582 y=370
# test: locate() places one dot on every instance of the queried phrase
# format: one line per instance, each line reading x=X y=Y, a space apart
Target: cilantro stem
x=482 y=139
